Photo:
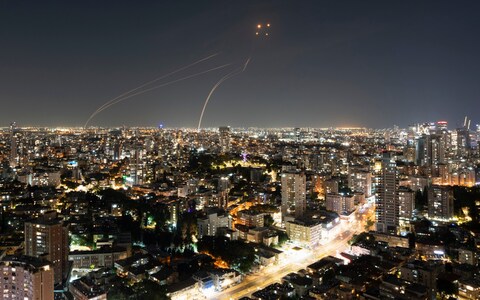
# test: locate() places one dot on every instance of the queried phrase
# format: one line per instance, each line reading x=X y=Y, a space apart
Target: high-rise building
x=331 y=185
x=420 y=150
x=296 y=134
x=360 y=181
x=25 y=277
x=340 y=203
x=117 y=150
x=318 y=186
x=294 y=198
x=406 y=202
x=463 y=139
x=333 y=202
x=440 y=202
x=224 y=138
x=47 y=237
x=386 y=211
x=174 y=209
x=137 y=166
x=13 y=159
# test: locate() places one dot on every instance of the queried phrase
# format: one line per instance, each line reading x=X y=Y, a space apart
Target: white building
x=294 y=199
x=340 y=203
x=214 y=219
x=307 y=234
x=360 y=181
x=406 y=201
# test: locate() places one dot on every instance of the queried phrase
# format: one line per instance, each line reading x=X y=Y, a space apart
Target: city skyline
x=262 y=149
x=174 y=214
x=368 y=64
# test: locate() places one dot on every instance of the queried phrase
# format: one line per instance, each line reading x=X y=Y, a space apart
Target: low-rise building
x=251 y=218
x=341 y=204
x=391 y=240
x=103 y=257
x=185 y=290
x=312 y=231
x=224 y=278
x=137 y=267
x=469 y=289
x=86 y=289
x=305 y=233
x=422 y=272
x=467 y=256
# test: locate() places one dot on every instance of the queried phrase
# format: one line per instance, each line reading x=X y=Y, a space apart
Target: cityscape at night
x=251 y=150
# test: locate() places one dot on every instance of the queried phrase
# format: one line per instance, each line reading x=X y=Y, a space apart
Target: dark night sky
x=325 y=63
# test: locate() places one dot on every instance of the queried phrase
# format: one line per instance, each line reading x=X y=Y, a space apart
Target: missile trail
x=105 y=106
x=150 y=82
x=157 y=79
x=229 y=75
x=260 y=31
x=162 y=85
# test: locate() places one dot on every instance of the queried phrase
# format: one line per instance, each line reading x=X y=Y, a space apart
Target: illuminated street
x=272 y=274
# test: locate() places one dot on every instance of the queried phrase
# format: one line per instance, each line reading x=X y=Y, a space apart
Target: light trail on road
x=252 y=283
x=275 y=273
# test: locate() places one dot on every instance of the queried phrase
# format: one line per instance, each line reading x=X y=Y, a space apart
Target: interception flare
x=262 y=29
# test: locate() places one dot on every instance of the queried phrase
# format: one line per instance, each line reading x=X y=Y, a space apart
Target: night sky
x=324 y=63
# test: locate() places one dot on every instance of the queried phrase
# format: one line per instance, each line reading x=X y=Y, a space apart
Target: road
x=273 y=274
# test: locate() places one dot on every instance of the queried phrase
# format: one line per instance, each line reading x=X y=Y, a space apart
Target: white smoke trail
x=229 y=75
x=150 y=82
x=117 y=100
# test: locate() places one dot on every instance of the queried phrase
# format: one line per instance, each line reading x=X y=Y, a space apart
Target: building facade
x=294 y=198
x=387 y=208
x=47 y=237
x=25 y=277
x=440 y=202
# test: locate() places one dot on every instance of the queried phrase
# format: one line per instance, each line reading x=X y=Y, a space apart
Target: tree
x=446 y=288
x=353 y=240
x=161 y=215
x=421 y=199
x=237 y=254
x=282 y=238
x=328 y=276
x=362 y=237
x=145 y=290
x=369 y=224
x=268 y=220
x=116 y=294
x=149 y=290
x=467 y=197
x=120 y=290
x=187 y=227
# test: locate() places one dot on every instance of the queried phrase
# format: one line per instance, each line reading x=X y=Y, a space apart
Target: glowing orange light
x=221 y=263
x=268 y=25
x=259 y=26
